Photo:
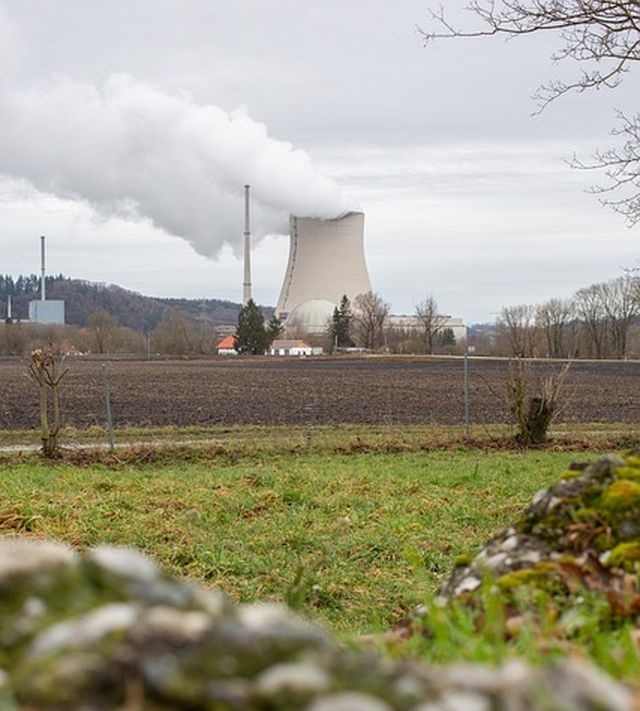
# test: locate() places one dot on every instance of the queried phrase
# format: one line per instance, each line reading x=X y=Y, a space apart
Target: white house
x=293 y=348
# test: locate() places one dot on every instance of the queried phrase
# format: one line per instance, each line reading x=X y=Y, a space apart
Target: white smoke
x=130 y=149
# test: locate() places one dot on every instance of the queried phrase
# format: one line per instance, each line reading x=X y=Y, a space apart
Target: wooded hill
x=82 y=298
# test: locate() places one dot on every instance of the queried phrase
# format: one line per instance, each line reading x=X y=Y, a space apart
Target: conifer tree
x=251 y=336
x=275 y=328
x=340 y=325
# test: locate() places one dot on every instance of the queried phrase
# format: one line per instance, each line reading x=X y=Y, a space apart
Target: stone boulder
x=582 y=534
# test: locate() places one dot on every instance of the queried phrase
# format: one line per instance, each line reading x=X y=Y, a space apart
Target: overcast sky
x=128 y=128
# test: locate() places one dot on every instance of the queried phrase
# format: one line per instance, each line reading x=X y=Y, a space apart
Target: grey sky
x=466 y=196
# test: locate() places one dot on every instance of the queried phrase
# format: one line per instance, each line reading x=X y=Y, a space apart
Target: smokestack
x=42 y=262
x=246 y=284
x=9 y=307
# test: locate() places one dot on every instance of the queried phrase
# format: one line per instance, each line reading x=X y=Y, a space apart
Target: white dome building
x=310 y=317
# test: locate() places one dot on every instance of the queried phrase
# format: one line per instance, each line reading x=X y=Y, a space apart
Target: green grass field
x=353 y=540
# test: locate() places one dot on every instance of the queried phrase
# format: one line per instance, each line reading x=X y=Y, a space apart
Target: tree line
x=136 y=311
x=176 y=334
x=598 y=321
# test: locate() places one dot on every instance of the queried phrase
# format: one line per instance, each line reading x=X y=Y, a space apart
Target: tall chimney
x=42 y=287
x=246 y=284
x=9 y=316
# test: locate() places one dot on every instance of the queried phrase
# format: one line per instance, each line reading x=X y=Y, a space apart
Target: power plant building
x=46 y=312
x=50 y=312
x=326 y=261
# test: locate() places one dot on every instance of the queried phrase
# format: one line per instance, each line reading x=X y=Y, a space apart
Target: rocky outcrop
x=583 y=533
x=105 y=629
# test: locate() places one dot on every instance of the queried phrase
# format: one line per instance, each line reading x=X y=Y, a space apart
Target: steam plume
x=129 y=148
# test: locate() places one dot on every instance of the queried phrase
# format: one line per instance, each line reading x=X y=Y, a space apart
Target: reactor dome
x=310 y=316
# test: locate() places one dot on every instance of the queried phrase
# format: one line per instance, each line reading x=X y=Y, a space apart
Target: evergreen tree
x=340 y=324
x=275 y=328
x=251 y=336
x=447 y=337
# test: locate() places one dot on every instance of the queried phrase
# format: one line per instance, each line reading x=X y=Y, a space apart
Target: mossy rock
x=622 y=495
x=581 y=533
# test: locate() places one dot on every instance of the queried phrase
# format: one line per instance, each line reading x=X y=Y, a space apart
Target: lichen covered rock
x=582 y=534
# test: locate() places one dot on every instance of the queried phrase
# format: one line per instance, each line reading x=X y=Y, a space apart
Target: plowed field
x=366 y=390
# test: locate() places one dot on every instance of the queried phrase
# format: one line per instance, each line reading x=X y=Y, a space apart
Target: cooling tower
x=326 y=261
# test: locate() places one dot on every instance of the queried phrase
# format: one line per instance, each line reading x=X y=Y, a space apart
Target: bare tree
x=534 y=400
x=553 y=320
x=621 y=166
x=102 y=325
x=177 y=335
x=46 y=369
x=517 y=324
x=369 y=316
x=431 y=321
x=589 y=310
x=619 y=299
x=604 y=35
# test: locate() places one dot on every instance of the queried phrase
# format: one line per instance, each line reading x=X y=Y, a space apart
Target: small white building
x=293 y=348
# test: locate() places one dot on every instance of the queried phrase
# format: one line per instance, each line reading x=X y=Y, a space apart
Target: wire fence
x=468 y=394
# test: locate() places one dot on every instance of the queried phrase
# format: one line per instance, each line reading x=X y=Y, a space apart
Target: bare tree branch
x=602 y=34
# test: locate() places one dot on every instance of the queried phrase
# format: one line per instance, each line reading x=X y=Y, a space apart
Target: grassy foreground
x=353 y=540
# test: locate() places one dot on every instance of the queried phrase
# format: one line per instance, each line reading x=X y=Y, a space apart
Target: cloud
x=130 y=149
x=11 y=48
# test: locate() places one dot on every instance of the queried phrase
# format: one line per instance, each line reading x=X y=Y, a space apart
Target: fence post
x=308 y=416
x=107 y=400
x=467 y=423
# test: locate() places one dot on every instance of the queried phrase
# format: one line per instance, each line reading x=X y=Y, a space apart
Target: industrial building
x=326 y=261
x=47 y=312
x=41 y=311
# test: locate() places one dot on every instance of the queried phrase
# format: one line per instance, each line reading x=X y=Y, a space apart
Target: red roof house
x=225 y=347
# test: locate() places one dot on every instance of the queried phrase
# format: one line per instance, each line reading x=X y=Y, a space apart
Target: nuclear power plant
x=326 y=261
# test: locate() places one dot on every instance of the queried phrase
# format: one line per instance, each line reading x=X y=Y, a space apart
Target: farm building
x=226 y=347
x=293 y=348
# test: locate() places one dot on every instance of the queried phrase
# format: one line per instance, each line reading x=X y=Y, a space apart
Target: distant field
x=373 y=390
x=353 y=540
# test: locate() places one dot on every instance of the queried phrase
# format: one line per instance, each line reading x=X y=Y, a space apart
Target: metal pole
x=246 y=284
x=107 y=400
x=467 y=423
x=308 y=410
x=43 y=268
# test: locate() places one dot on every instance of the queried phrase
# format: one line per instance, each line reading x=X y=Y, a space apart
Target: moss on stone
x=570 y=474
x=622 y=495
x=463 y=559
x=540 y=576
x=625 y=555
x=629 y=472
x=633 y=460
x=586 y=515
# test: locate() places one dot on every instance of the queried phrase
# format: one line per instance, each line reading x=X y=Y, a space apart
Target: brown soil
x=371 y=390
